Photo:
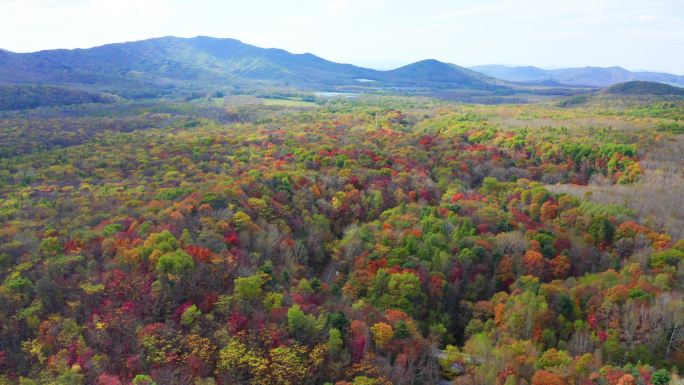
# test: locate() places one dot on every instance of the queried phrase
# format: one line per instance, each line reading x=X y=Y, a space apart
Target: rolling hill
x=435 y=74
x=644 y=88
x=632 y=93
x=168 y=65
x=585 y=76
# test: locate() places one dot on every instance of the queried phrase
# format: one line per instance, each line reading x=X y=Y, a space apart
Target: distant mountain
x=586 y=76
x=435 y=74
x=165 y=65
x=644 y=88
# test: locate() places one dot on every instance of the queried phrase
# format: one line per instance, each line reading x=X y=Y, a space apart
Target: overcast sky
x=635 y=34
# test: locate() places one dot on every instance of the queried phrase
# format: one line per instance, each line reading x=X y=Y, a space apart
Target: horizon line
x=471 y=67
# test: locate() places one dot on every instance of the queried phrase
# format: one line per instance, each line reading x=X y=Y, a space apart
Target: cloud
x=556 y=15
x=79 y=23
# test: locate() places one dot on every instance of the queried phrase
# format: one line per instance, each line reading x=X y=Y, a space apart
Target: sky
x=382 y=34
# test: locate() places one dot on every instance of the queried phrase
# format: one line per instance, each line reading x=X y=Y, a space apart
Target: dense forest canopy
x=365 y=241
x=15 y=97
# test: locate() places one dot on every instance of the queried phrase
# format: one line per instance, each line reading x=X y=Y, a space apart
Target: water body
x=336 y=94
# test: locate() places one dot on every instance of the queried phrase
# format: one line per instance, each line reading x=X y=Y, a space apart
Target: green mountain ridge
x=171 y=67
x=644 y=88
x=160 y=65
x=433 y=73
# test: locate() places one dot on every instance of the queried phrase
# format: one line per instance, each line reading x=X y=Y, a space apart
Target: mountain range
x=585 y=76
x=170 y=63
x=176 y=66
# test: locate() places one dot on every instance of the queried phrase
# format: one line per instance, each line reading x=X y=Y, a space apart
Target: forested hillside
x=644 y=88
x=172 y=66
x=366 y=241
x=32 y=96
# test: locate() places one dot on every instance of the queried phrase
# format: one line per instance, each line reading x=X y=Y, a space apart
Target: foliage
x=344 y=243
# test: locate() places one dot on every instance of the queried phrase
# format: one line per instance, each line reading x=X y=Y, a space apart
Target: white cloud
x=79 y=23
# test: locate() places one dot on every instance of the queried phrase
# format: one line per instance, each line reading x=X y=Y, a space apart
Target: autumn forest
x=372 y=240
